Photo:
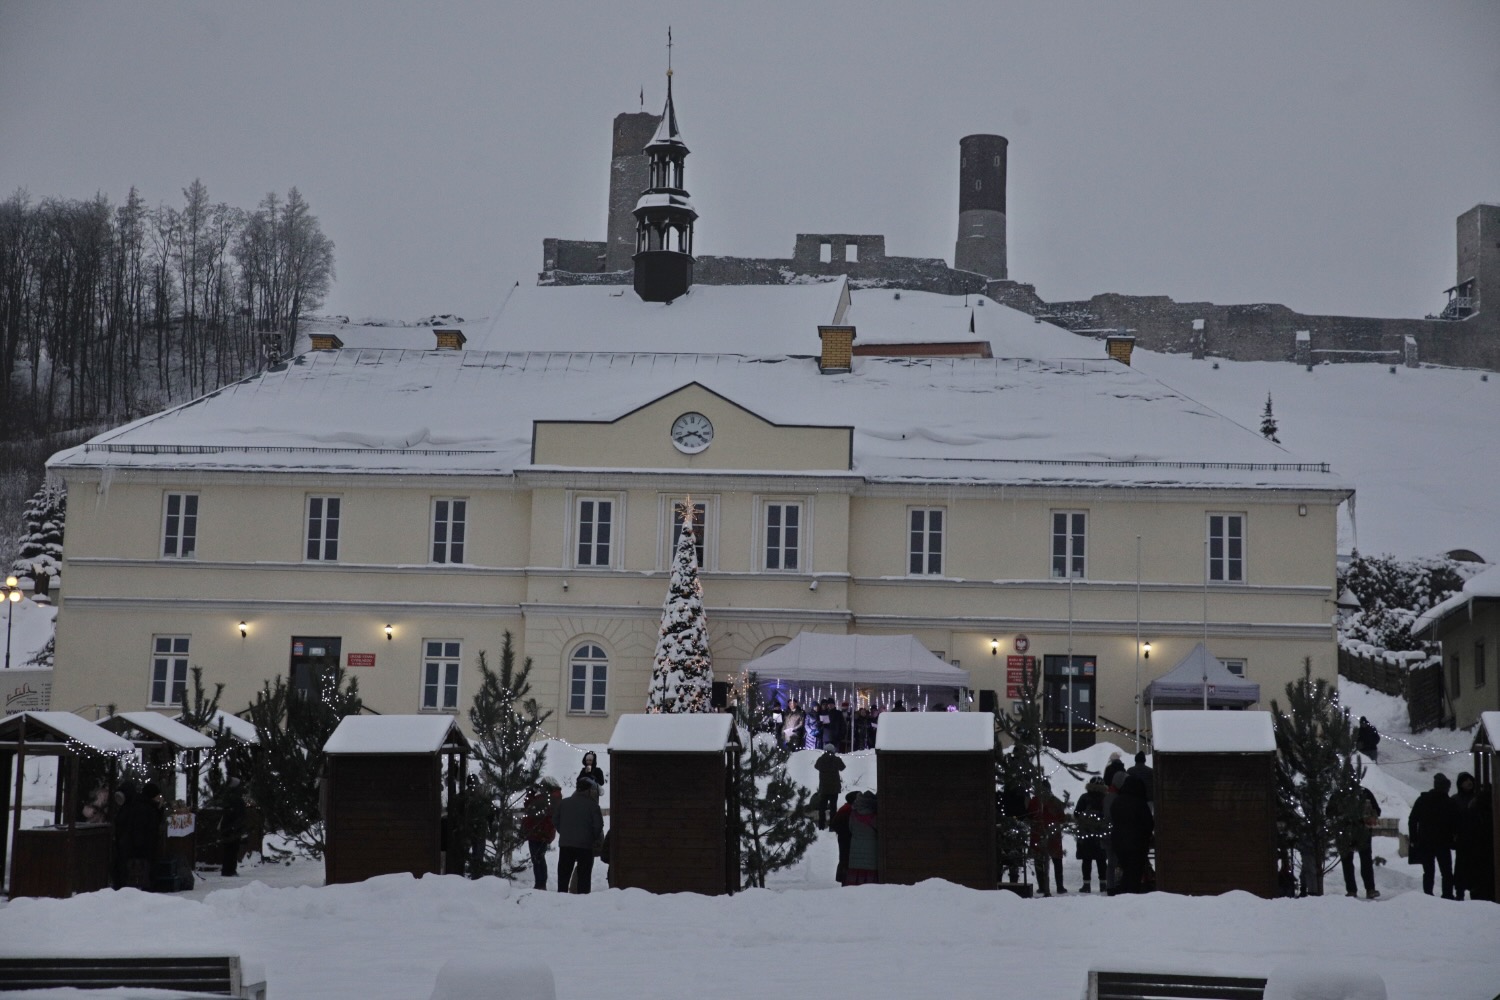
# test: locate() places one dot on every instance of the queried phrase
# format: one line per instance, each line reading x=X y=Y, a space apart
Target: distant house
x=1468 y=627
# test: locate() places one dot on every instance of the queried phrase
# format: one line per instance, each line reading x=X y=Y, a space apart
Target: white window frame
x=449 y=534
x=442 y=675
x=1224 y=561
x=611 y=545
x=925 y=543
x=169 y=669
x=327 y=550
x=766 y=536
x=708 y=530
x=1075 y=544
x=592 y=671
x=179 y=531
x=1231 y=662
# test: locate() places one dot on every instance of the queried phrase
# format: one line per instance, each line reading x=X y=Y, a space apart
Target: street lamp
x=12 y=592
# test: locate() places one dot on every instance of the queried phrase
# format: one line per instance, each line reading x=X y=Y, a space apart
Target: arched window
x=588 y=679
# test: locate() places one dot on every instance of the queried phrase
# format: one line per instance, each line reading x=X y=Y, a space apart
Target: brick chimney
x=1119 y=346
x=838 y=349
x=325 y=341
x=450 y=340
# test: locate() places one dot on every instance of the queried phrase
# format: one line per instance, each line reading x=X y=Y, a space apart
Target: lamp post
x=12 y=592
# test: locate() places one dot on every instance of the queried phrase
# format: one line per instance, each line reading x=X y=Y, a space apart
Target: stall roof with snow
x=671 y=733
x=875 y=660
x=47 y=732
x=1489 y=727
x=241 y=729
x=952 y=732
x=1199 y=731
x=1184 y=683
x=395 y=734
x=159 y=727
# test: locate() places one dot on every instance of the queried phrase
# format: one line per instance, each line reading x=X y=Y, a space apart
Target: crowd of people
x=1452 y=838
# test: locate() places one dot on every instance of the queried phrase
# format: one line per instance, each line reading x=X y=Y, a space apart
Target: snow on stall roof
x=1485 y=584
x=167 y=729
x=71 y=727
x=394 y=734
x=980 y=420
x=241 y=729
x=936 y=731
x=1197 y=731
x=667 y=733
x=1490 y=723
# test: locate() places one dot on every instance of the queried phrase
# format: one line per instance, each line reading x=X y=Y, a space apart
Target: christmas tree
x=505 y=720
x=1268 y=422
x=1018 y=773
x=42 y=547
x=682 y=677
x=1316 y=772
x=775 y=825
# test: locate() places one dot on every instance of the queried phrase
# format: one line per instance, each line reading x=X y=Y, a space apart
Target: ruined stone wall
x=573 y=255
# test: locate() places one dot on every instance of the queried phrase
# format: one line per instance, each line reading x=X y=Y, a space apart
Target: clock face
x=692 y=432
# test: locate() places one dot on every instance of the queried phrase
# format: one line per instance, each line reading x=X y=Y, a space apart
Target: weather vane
x=669 y=50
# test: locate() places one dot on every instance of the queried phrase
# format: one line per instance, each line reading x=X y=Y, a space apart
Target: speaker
x=989 y=702
x=720 y=696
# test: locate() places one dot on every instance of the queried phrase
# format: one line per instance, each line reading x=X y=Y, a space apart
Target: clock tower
x=664 y=216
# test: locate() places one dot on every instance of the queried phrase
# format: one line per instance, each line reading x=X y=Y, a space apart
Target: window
x=925 y=542
x=1479 y=664
x=1069 y=529
x=450 y=518
x=323 y=528
x=169 y=669
x=851 y=253
x=1453 y=668
x=588 y=680
x=1236 y=666
x=700 y=529
x=825 y=253
x=1226 y=548
x=783 y=535
x=440 y=675
x=596 y=518
x=179 y=533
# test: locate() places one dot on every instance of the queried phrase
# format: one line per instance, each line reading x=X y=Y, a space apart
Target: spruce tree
x=775 y=824
x=1018 y=772
x=42 y=547
x=505 y=720
x=1316 y=771
x=1268 y=422
x=682 y=676
x=229 y=757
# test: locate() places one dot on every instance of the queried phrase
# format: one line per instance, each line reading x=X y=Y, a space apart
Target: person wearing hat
x=829 y=766
x=580 y=831
x=1430 y=830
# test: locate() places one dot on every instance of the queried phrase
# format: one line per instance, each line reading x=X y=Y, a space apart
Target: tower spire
x=664 y=216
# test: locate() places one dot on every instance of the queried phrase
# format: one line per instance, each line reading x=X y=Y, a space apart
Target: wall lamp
x=390 y=632
x=244 y=629
x=1146 y=650
x=994 y=647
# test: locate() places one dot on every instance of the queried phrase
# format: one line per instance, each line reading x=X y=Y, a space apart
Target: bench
x=1172 y=986
x=211 y=975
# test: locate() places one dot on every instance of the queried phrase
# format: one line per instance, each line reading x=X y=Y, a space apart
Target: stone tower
x=664 y=216
x=981 y=205
x=1477 y=290
x=629 y=175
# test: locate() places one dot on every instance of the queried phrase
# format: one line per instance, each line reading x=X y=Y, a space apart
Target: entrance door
x=311 y=656
x=1069 y=693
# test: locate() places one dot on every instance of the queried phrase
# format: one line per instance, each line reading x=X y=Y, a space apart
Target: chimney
x=1119 y=346
x=325 y=341
x=838 y=349
x=450 y=340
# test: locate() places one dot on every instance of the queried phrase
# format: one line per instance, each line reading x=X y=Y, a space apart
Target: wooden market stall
x=936 y=808
x=383 y=794
x=1215 y=797
x=1486 y=769
x=68 y=856
x=673 y=785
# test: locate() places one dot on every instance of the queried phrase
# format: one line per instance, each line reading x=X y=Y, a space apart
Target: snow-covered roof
x=963 y=420
x=1489 y=724
x=393 y=734
x=160 y=726
x=936 y=731
x=671 y=732
x=241 y=729
x=1200 y=668
x=861 y=659
x=1483 y=585
x=64 y=726
x=1197 y=731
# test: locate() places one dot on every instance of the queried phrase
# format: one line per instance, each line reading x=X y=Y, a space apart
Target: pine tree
x=775 y=824
x=42 y=547
x=1316 y=771
x=292 y=729
x=1268 y=422
x=682 y=677
x=505 y=721
x=1018 y=772
x=229 y=757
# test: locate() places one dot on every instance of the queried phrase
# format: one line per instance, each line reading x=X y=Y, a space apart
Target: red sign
x=1022 y=644
x=361 y=659
x=1016 y=670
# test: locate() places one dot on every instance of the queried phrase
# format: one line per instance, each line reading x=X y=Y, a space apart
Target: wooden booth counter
x=57 y=861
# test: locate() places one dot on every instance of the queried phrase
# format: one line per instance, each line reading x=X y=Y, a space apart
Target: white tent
x=1184 y=683
x=861 y=660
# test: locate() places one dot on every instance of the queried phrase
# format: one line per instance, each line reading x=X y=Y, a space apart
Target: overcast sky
x=1300 y=151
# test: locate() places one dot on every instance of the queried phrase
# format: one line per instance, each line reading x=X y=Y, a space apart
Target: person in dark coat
x=1092 y=832
x=1367 y=739
x=138 y=832
x=864 y=845
x=1355 y=832
x=591 y=769
x=1011 y=802
x=1047 y=814
x=1473 y=844
x=1430 y=831
x=537 y=826
x=1142 y=770
x=1130 y=827
x=864 y=728
x=829 y=766
x=1114 y=767
x=841 y=829
x=231 y=827
x=580 y=832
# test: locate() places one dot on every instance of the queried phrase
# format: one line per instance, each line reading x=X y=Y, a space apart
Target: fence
x=1417 y=677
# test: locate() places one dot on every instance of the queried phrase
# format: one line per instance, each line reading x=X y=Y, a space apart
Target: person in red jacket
x=1047 y=816
x=537 y=826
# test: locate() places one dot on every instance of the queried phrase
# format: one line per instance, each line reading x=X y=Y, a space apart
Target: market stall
x=1200 y=681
